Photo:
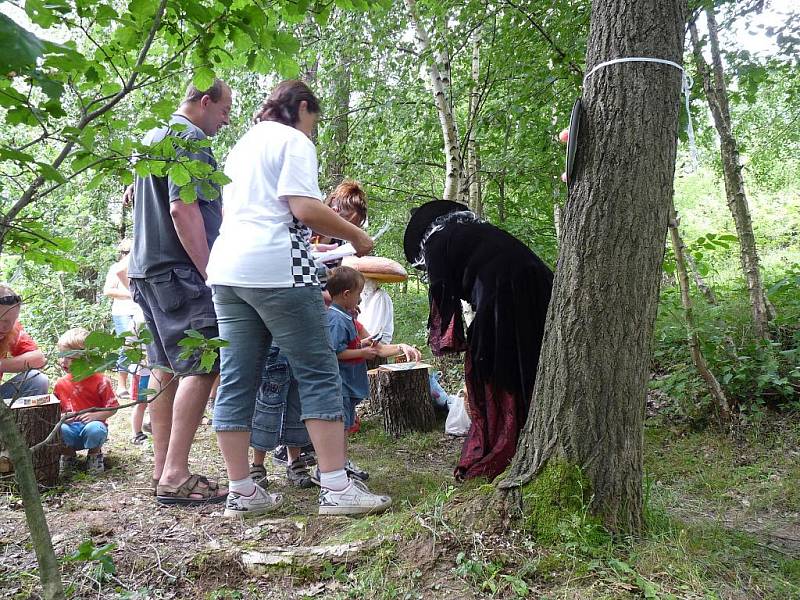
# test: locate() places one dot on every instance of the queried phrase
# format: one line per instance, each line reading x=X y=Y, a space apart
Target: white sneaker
x=248 y=506
x=355 y=499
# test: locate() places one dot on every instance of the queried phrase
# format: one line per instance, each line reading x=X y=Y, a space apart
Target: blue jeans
x=276 y=420
x=250 y=319
x=122 y=323
x=84 y=436
x=350 y=404
x=32 y=383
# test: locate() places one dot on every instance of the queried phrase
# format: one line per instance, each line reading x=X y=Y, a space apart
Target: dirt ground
x=166 y=552
x=724 y=508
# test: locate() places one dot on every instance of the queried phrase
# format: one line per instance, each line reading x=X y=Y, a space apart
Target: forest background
x=510 y=73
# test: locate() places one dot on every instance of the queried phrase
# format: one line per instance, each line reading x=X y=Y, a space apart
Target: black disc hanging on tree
x=572 y=142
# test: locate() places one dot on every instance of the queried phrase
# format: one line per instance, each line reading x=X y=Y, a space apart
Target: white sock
x=243 y=487
x=334 y=480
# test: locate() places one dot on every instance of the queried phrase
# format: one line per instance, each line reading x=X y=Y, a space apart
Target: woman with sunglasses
x=19 y=354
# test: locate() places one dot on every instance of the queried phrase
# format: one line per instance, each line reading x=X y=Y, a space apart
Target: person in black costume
x=508 y=287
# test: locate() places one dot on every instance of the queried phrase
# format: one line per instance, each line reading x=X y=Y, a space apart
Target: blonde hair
x=73 y=339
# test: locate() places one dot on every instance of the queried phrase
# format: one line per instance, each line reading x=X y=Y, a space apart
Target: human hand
x=412 y=354
x=363 y=244
x=86 y=418
x=127 y=196
x=369 y=353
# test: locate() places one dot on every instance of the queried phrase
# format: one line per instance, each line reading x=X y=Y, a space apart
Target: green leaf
x=188 y=194
x=103 y=341
x=46 y=13
x=179 y=174
x=203 y=78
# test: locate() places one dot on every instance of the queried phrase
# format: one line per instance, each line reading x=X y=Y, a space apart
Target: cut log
x=35 y=418
x=403 y=399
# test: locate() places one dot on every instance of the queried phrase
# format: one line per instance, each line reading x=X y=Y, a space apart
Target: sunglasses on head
x=10 y=300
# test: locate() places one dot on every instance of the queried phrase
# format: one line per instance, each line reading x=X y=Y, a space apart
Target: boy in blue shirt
x=344 y=286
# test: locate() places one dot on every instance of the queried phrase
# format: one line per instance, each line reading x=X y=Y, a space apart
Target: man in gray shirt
x=167 y=271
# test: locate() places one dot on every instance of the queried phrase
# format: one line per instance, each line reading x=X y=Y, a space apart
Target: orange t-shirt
x=23 y=344
x=93 y=392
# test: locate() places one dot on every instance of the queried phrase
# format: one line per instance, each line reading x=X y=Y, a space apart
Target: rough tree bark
x=34 y=424
x=440 y=83
x=473 y=163
x=717 y=96
x=699 y=360
x=403 y=400
x=49 y=572
x=589 y=399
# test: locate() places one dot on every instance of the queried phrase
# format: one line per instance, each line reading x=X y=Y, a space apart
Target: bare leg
x=258 y=457
x=122 y=380
x=292 y=454
x=161 y=417
x=189 y=404
x=137 y=418
x=213 y=392
x=329 y=443
x=234 y=446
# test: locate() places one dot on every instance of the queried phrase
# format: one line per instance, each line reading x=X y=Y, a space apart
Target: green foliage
x=195 y=344
x=98 y=558
x=753 y=374
x=488 y=576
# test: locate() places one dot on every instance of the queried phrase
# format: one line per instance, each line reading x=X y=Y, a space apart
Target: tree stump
x=35 y=422
x=403 y=399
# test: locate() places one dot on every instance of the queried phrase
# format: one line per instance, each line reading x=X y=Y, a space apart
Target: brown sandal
x=182 y=495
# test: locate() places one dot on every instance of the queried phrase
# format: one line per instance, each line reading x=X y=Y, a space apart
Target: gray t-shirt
x=156 y=247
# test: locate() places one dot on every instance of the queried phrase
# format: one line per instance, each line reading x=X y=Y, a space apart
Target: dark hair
x=283 y=104
x=351 y=197
x=215 y=92
x=342 y=279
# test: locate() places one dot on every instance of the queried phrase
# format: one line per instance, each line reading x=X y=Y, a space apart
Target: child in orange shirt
x=87 y=431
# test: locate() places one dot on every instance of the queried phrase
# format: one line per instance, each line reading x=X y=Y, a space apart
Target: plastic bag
x=438 y=395
x=458 y=421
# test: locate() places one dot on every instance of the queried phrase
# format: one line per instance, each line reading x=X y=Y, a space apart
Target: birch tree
x=437 y=68
x=717 y=96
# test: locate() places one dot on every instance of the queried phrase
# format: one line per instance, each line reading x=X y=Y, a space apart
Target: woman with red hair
x=18 y=352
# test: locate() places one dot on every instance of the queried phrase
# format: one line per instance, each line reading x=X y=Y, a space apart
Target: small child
x=345 y=285
x=140 y=379
x=87 y=431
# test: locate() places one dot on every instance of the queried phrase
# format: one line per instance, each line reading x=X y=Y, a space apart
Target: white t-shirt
x=377 y=311
x=260 y=243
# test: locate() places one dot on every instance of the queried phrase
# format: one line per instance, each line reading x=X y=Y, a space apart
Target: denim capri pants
x=276 y=421
x=251 y=319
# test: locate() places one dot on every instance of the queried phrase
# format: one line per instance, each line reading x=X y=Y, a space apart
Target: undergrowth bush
x=755 y=375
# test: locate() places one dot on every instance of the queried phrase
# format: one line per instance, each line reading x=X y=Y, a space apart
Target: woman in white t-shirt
x=123 y=310
x=266 y=289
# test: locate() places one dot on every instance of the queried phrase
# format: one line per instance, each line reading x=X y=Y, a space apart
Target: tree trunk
x=691 y=332
x=589 y=399
x=34 y=424
x=558 y=218
x=473 y=164
x=19 y=454
x=441 y=96
x=403 y=399
x=336 y=160
x=717 y=95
